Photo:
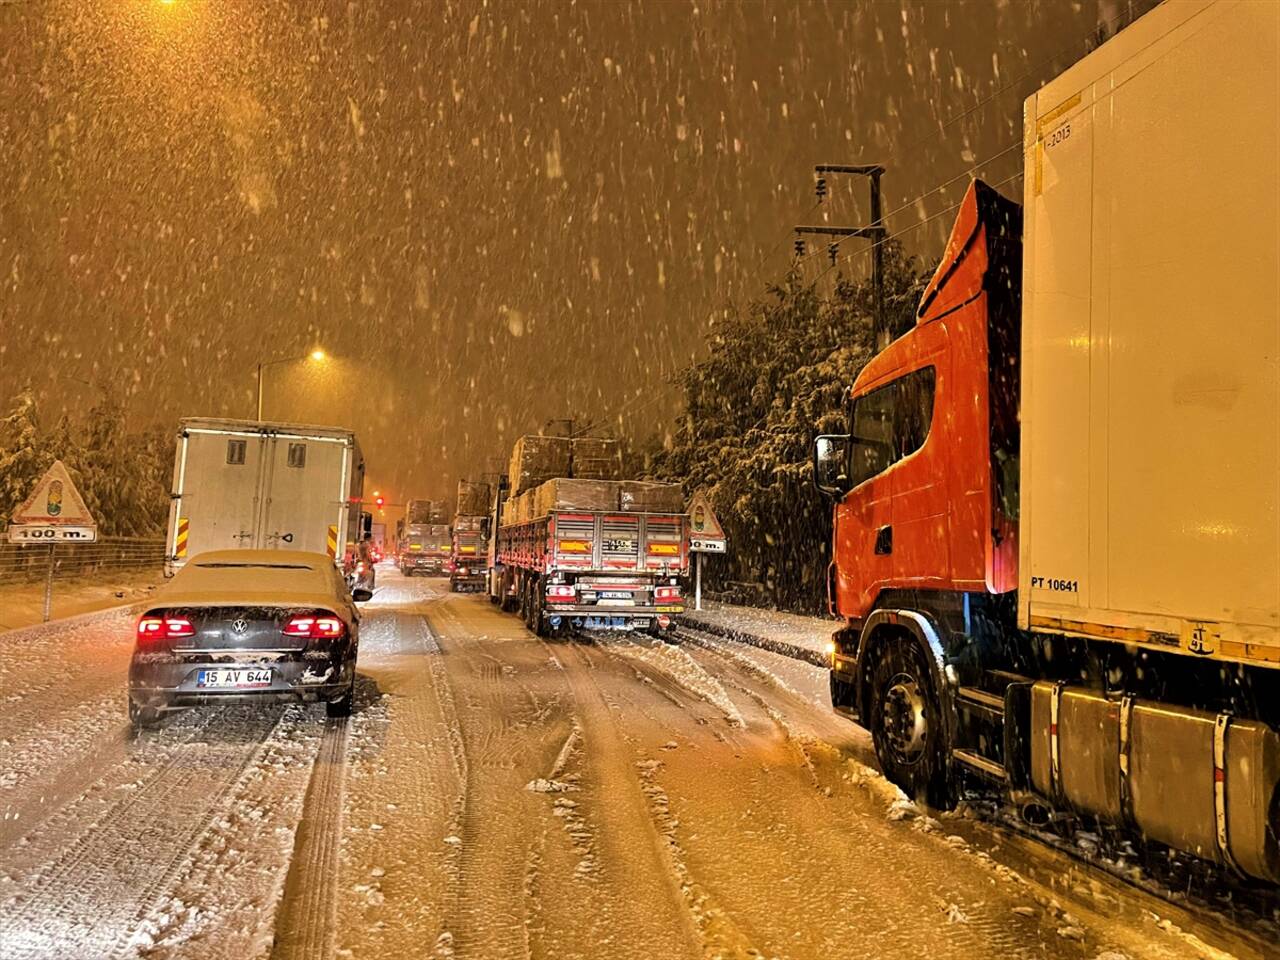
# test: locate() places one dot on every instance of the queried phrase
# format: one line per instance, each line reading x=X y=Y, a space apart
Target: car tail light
x=561 y=592
x=666 y=594
x=312 y=626
x=164 y=627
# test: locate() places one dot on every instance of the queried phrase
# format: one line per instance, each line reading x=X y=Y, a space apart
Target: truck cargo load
x=474 y=499
x=596 y=458
x=265 y=485
x=537 y=459
x=626 y=496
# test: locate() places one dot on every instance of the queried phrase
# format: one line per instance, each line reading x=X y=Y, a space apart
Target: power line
x=914 y=226
x=928 y=193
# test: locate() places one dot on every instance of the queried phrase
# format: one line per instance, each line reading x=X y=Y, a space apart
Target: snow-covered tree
x=123 y=476
x=23 y=457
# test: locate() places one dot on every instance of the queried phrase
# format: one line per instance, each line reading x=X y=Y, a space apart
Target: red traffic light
x=379 y=501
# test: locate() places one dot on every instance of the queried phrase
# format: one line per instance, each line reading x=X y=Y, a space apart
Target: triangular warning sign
x=702 y=519
x=54 y=502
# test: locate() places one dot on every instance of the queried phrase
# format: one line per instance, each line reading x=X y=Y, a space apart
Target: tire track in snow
x=461 y=817
x=88 y=900
x=305 y=918
x=401 y=786
x=636 y=821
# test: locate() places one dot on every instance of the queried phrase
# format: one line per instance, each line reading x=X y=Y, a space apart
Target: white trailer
x=249 y=484
x=1151 y=333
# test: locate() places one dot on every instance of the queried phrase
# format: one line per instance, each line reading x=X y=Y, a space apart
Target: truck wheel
x=522 y=592
x=540 y=627
x=907 y=726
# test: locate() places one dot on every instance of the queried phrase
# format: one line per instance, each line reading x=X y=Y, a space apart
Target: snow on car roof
x=253 y=578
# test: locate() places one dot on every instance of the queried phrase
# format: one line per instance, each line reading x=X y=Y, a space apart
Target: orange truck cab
x=927 y=477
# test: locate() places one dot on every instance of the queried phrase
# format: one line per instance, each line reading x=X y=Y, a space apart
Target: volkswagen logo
x=240 y=625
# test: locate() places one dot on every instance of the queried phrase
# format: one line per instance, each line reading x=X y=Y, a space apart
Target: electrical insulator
x=799 y=248
x=821 y=188
x=832 y=250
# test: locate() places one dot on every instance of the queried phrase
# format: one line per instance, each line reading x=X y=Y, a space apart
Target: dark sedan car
x=247 y=624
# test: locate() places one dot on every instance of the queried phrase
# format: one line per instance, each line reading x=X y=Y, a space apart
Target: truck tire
x=506 y=602
x=522 y=590
x=538 y=604
x=906 y=723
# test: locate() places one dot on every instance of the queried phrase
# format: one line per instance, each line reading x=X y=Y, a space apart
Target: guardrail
x=74 y=561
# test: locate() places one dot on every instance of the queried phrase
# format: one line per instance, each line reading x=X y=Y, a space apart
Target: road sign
x=54 y=513
x=706 y=535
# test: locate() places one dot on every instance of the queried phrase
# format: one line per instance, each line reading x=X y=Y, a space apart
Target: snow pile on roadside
x=788 y=633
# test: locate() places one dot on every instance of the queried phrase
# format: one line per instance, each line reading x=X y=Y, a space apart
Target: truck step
x=973 y=697
x=987 y=768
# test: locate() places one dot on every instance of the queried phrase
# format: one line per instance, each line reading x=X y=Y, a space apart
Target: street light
x=316 y=355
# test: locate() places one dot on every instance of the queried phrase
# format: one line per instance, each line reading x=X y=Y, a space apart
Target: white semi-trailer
x=241 y=483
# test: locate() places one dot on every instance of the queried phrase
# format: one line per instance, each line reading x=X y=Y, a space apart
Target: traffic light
x=379 y=501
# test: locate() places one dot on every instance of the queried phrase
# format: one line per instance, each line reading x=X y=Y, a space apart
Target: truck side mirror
x=831 y=464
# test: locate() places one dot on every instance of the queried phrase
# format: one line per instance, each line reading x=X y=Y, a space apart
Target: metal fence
x=80 y=561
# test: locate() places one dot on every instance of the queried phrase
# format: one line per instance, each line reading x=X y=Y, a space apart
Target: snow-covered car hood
x=277 y=578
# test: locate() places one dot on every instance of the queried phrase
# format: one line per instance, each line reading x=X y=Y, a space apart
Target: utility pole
x=875 y=233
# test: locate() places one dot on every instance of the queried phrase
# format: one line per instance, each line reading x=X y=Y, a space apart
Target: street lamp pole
x=313 y=355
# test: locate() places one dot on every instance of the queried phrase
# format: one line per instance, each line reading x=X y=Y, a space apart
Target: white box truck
x=1057 y=508
x=240 y=483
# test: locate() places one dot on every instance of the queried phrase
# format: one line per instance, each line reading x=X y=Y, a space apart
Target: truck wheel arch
x=888 y=626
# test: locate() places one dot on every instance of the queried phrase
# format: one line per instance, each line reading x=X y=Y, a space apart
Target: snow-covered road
x=496 y=795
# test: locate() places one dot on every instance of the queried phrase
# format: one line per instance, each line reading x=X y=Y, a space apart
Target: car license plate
x=234 y=678
x=615 y=594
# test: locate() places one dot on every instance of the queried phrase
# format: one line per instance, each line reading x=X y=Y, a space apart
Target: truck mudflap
x=1122 y=760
